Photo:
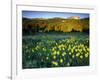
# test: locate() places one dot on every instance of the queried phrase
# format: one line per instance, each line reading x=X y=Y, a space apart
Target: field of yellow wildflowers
x=55 y=50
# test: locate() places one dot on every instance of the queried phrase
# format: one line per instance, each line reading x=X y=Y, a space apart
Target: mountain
x=74 y=17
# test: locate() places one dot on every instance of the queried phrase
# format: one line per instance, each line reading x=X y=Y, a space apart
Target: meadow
x=55 y=49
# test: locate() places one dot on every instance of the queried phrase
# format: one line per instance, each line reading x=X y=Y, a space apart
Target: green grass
x=55 y=49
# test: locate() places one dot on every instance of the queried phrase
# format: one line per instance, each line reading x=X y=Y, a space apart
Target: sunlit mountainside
x=73 y=23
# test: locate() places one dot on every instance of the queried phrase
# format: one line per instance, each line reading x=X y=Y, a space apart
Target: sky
x=41 y=14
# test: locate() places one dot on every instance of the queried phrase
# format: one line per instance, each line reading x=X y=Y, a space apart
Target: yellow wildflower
x=63 y=48
x=88 y=49
x=47 y=58
x=32 y=50
x=44 y=49
x=68 y=64
x=81 y=56
x=55 y=63
x=64 y=53
x=54 y=57
x=58 y=52
x=54 y=52
x=84 y=49
x=77 y=54
x=76 y=50
x=86 y=55
x=72 y=50
x=61 y=60
x=73 y=56
x=53 y=49
x=70 y=53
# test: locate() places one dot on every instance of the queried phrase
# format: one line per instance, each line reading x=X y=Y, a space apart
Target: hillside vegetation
x=30 y=26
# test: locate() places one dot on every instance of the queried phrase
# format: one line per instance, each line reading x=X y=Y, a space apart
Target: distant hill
x=74 y=17
x=26 y=18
